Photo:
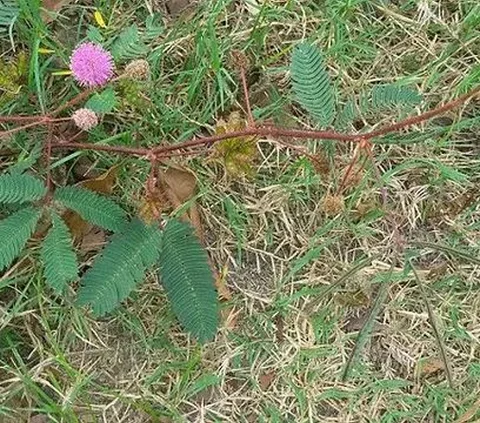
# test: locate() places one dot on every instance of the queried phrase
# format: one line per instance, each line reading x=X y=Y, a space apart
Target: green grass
x=283 y=252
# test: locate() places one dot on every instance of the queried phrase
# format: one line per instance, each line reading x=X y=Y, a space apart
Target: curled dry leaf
x=174 y=187
x=181 y=183
x=429 y=366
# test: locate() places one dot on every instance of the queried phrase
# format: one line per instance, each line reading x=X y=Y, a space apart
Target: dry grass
x=284 y=343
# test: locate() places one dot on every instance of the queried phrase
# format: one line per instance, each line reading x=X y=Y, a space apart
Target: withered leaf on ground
x=93 y=241
x=104 y=183
x=174 y=187
x=265 y=380
x=429 y=366
x=181 y=182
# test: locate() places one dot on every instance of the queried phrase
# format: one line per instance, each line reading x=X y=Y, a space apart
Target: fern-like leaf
x=15 y=231
x=391 y=96
x=95 y=35
x=311 y=83
x=9 y=11
x=188 y=280
x=20 y=188
x=120 y=267
x=128 y=45
x=346 y=115
x=103 y=102
x=153 y=27
x=92 y=207
x=58 y=257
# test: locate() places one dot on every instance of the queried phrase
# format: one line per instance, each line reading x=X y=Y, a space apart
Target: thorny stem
x=20 y=118
x=79 y=97
x=265 y=131
x=413 y=120
x=45 y=120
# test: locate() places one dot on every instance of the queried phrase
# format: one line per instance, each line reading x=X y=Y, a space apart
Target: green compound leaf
x=121 y=265
x=20 y=188
x=92 y=207
x=58 y=256
x=188 y=280
x=15 y=231
x=102 y=103
x=311 y=83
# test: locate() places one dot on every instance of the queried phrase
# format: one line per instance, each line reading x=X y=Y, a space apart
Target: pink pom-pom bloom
x=91 y=65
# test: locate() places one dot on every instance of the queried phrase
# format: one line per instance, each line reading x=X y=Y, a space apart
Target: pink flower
x=91 y=65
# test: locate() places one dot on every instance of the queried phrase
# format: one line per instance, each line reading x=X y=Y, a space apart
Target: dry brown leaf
x=104 y=183
x=181 y=181
x=152 y=206
x=173 y=188
x=94 y=240
x=265 y=380
x=78 y=227
x=429 y=366
x=180 y=184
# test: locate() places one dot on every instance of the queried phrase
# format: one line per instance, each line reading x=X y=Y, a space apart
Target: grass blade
x=448 y=250
x=367 y=327
x=433 y=322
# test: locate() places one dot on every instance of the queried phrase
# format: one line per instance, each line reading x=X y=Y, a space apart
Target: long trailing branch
x=251 y=130
x=271 y=131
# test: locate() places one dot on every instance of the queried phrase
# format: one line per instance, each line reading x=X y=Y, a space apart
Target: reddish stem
x=79 y=97
x=265 y=131
x=413 y=120
x=45 y=120
x=243 y=77
x=19 y=118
